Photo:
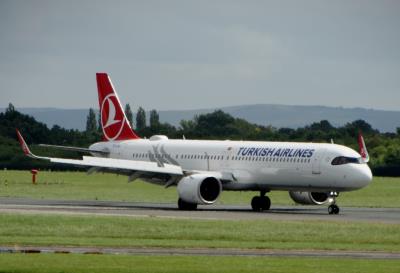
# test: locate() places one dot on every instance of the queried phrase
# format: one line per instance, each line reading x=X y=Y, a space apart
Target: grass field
x=46 y=263
x=27 y=229
x=383 y=192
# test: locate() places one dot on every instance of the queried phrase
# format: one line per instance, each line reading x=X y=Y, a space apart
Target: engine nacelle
x=310 y=198
x=199 y=189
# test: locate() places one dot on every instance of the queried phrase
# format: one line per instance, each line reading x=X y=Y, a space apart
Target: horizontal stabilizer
x=75 y=149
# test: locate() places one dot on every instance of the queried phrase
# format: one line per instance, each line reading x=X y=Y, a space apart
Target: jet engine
x=310 y=198
x=199 y=189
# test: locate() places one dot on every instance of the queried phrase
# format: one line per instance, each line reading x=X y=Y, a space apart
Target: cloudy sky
x=200 y=54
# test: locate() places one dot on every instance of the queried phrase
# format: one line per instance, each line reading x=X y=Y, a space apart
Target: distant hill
x=263 y=114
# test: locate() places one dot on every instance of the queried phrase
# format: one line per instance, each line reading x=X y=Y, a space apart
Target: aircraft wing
x=110 y=164
x=120 y=164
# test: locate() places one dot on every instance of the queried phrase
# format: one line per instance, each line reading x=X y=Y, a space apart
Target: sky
x=171 y=55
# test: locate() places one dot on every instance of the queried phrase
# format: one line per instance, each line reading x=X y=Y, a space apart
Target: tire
x=336 y=210
x=265 y=203
x=256 y=204
x=182 y=205
x=333 y=209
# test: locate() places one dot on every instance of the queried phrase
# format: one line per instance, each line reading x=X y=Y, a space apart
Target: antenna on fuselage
x=332 y=141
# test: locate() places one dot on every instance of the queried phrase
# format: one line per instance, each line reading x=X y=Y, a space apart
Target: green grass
x=115 y=231
x=27 y=229
x=46 y=263
x=383 y=192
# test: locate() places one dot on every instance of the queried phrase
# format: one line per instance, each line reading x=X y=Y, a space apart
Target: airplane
x=312 y=173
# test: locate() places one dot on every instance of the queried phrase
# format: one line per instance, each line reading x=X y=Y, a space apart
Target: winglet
x=23 y=144
x=363 y=149
x=25 y=147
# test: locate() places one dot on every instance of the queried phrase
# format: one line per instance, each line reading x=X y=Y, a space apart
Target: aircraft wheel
x=266 y=203
x=260 y=203
x=256 y=204
x=182 y=205
x=333 y=209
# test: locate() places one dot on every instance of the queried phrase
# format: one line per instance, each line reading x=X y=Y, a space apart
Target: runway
x=202 y=252
x=214 y=212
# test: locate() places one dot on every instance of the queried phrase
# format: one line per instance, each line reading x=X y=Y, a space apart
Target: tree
x=99 y=125
x=91 y=124
x=129 y=114
x=392 y=156
x=359 y=125
x=140 y=119
x=10 y=109
x=323 y=125
x=217 y=124
x=154 y=120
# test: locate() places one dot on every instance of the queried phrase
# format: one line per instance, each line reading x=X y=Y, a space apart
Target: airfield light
x=34 y=173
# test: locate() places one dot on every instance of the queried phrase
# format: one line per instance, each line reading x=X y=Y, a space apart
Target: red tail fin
x=363 y=149
x=114 y=123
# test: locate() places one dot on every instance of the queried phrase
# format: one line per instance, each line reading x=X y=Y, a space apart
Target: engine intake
x=310 y=198
x=199 y=189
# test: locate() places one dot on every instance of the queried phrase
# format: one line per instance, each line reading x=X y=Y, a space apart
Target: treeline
x=384 y=148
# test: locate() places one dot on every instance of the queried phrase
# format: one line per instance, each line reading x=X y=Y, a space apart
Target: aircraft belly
x=274 y=178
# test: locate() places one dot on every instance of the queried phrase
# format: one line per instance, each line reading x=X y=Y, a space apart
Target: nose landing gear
x=333 y=208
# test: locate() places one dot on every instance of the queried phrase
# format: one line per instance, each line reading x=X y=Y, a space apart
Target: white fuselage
x=253 y=165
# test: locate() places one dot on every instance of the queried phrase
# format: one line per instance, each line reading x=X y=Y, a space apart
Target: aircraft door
x=316 y=160
x=227 y=158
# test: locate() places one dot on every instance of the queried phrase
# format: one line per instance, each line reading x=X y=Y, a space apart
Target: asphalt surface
x=202 y=252
x=215 y=212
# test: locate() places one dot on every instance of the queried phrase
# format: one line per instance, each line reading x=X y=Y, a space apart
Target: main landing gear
x=260 y=203
x=182 y=205
x=333 y=208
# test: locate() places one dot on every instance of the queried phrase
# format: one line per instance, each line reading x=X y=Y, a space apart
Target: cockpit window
x=340 y=160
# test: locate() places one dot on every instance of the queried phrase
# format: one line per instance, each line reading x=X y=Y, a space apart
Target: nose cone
x=363 y=176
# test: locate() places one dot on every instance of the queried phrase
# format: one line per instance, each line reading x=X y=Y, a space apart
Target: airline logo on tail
x=113 y=120
x=111 y=112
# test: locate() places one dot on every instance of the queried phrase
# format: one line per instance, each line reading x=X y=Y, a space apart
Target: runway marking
x=34 y=210
x=200 y=252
